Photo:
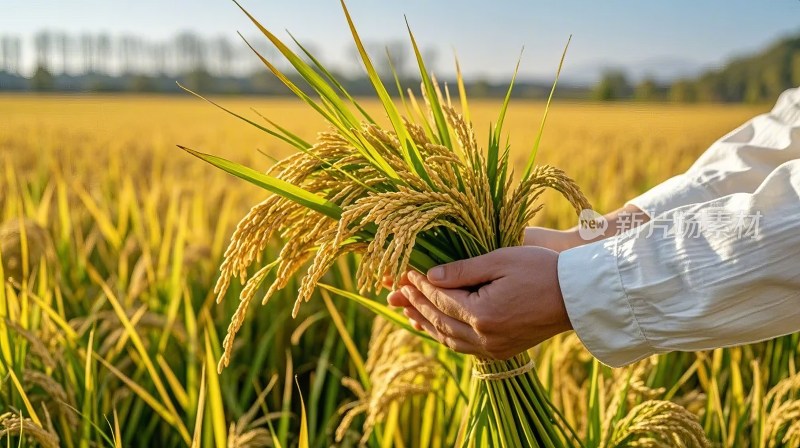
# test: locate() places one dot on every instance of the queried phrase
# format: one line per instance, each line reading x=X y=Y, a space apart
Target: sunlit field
x=111 y=237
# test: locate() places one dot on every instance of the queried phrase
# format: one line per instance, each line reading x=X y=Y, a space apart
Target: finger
x=413 y=323
x=397 y=298
x=470 y=272
x=403 y=280
x=388 y=281
x=452 y=302
x=443 y=323
x=422 y=324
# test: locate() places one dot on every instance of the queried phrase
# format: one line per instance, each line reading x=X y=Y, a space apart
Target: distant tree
x=42 y=80
x=312 y=48
x=15 y=55
x=399 y=53
x=754 y=91
x=142 y=83
x=354 y=58
x=264 y=82
x=127 y=52
x=87 y=53
x=149 y=57
x=251 y=62
x=381 y=52
x=612 y=86
x=160 y=58
x=42 y=43
x=191 y=52
x=138 y=55
x=64 y=45
x=647 y=90
x=9 y=53
x=682 y=91
x=200 y=80
x=225 y=55
x=709 y=88
x=104 y=54
x=3 y=53
x=776 y=78
x=431 y=57
x=480 y=88
x=796 y=68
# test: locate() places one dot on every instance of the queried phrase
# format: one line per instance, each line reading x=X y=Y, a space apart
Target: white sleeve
x=736 y=163
x=715 y=274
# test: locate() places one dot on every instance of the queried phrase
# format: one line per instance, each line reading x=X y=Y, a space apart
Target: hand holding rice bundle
x=414 y=195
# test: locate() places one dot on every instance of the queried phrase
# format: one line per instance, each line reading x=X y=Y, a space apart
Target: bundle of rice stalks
x=419 y=193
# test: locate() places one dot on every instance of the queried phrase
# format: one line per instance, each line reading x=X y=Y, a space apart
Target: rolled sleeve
x=597 y=305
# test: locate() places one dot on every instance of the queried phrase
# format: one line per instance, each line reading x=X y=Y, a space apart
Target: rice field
x=111 y=239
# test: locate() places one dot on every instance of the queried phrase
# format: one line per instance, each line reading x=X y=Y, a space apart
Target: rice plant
x=418 y=194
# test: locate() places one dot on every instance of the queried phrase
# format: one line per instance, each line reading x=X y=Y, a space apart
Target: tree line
x=755 y=78
x=104 y=63
x=102 y=53
x=101 y=62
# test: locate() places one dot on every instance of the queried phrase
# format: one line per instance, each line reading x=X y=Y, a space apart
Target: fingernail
x=436 y=273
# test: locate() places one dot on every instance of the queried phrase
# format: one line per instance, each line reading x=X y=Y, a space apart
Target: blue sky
x=487 y=34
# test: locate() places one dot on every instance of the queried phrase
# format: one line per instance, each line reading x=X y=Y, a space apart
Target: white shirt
x=718 y=264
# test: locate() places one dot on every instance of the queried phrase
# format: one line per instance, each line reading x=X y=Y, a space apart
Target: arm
x=639 y=294
x=632 y=295
x=629 y=216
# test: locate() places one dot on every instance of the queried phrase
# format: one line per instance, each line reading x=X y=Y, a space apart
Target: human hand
x=493 y=306
x=556 y=240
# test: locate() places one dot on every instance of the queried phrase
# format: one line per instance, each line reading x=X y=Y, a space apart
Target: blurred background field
x=614 y=150
x=111 y=238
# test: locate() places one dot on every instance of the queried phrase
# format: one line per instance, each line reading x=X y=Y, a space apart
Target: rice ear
x=659 y=423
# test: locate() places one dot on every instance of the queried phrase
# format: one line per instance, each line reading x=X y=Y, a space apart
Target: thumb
x=463 y=273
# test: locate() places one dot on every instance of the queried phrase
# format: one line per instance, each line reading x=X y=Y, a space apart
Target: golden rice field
x=111 y=237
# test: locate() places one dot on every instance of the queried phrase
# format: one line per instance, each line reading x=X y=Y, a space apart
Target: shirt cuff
x=672 y=193
x=597 y=305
